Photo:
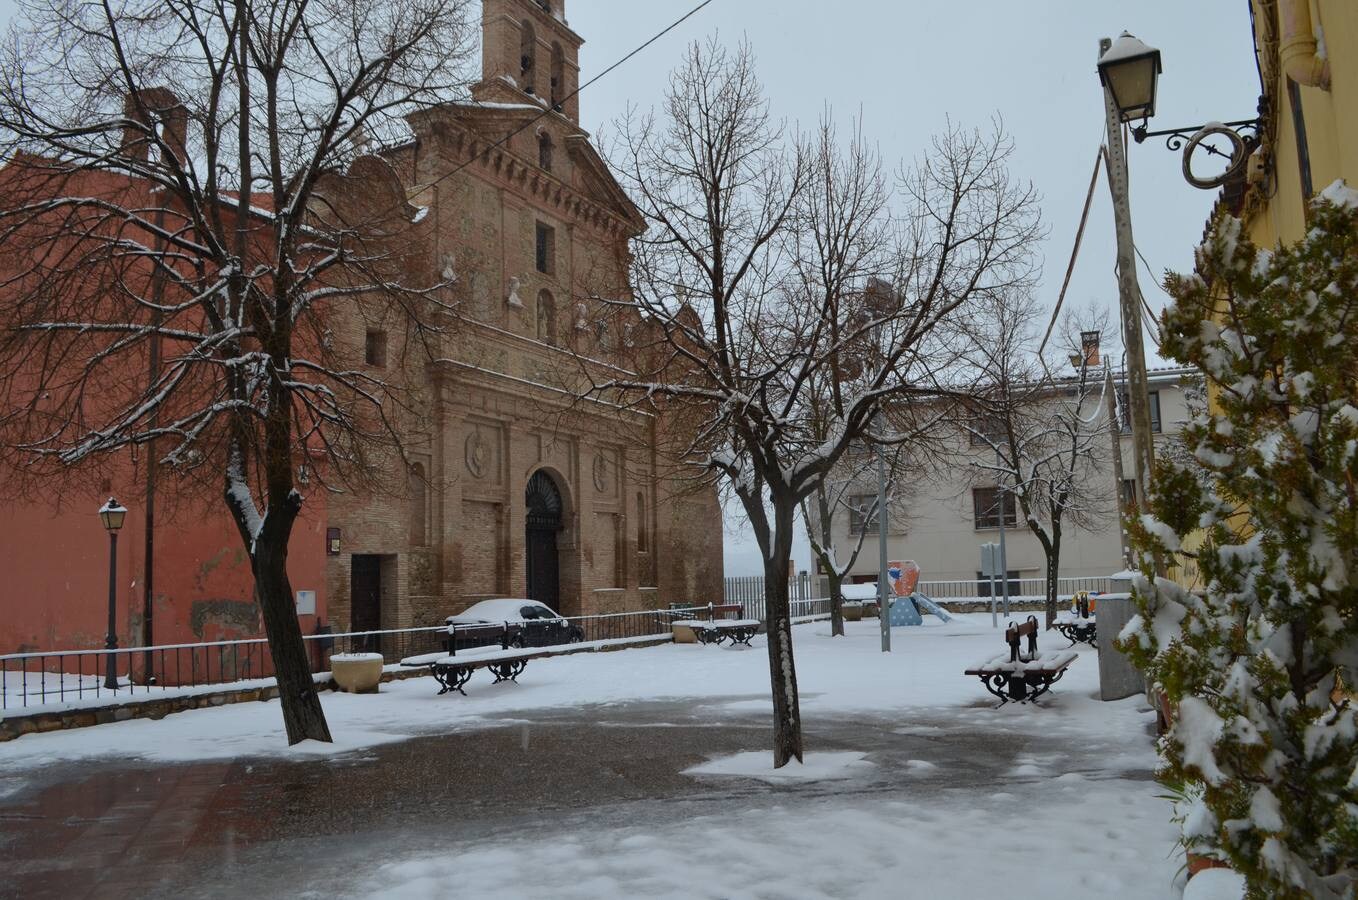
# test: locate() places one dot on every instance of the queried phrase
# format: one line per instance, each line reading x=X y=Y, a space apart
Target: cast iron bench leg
x=509 y=671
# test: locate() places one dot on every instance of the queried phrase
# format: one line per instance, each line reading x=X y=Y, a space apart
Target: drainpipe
x=1298 y=49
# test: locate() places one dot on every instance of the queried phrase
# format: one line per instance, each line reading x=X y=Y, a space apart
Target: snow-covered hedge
x=1254 y=664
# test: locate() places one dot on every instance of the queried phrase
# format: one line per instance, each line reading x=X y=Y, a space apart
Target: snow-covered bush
x=1254 y=663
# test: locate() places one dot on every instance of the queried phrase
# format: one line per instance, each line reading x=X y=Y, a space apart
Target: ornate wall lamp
x=1130 y=70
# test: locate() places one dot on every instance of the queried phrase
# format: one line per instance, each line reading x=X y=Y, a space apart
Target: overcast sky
x=909 y=68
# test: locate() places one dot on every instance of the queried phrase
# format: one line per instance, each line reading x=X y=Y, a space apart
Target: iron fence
x=749 y=590
x=77 y=676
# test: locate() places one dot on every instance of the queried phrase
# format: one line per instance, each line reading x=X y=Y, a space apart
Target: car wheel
x=576 y=637
x=517 y=642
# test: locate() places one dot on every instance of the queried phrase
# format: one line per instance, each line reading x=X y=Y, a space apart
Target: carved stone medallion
x=477 y=454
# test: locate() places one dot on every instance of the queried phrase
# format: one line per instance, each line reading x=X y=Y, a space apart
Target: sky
x=910 y=68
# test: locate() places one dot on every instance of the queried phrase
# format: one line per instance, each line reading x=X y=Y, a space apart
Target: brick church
x=521 y=490
x=516 y=486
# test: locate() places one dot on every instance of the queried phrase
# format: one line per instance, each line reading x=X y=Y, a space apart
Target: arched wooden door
x=542 y=526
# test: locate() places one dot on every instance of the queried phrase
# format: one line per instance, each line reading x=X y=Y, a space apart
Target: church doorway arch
x=543 y=525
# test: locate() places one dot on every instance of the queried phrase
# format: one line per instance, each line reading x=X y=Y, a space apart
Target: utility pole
x=1129 y=296
x=1004 y=557
x=883 y=582
x=1115 y=429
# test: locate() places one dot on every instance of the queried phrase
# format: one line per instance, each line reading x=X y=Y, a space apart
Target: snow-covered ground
x=1080 y=821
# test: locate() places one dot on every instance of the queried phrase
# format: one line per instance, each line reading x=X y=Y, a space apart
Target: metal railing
x=1018 y=587
x=77 y=676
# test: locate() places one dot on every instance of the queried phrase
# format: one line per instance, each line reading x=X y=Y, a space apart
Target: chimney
x=155 y=108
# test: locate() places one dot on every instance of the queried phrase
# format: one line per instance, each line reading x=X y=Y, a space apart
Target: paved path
x=264 y=827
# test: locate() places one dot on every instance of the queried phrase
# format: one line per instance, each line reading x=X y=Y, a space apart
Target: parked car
x=511 y=623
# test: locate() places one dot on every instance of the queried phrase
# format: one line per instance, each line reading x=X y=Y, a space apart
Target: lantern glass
x=1131 y=71
x=112 y=514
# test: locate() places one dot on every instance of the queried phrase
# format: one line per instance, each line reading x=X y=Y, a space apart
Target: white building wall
x=939 y=531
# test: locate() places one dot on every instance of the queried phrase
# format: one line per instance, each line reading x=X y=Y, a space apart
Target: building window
x=419 y=507
x=528 y=45
x=545 y=152
x=863 y=518
x=1125 y=408
x=546 y=249
x=983 y=585
x=986 y=431
x=547 y=318
x=375 y=348
x=986 y=508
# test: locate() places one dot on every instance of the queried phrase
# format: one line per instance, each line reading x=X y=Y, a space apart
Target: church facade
x=517 y=486
x=510 y=483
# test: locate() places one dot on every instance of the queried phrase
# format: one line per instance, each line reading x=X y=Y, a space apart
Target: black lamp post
x=112 y=514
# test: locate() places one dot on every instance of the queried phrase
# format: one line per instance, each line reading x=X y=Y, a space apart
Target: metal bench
x=1081 y=624
x=453 y=672
x=737 y=631
x=1022 y=677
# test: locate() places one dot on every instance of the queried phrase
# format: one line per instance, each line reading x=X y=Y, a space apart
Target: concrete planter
x=853 y=612
x=357 y=673
x=683 y=632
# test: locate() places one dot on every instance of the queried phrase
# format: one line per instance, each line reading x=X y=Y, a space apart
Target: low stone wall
x=14 y=726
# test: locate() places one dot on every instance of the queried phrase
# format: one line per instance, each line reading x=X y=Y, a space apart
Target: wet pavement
x=309 y=828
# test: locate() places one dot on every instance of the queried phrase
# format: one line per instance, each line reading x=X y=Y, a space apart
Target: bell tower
x=529 y=54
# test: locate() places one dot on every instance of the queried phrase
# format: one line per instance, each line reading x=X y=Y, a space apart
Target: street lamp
x=112 y=514
x=1130 y=70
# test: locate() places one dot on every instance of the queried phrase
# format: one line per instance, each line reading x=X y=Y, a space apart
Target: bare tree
x=851 y=491
x=721 y=190
x=841 y=240
x=188 y=185
x=1042 y=438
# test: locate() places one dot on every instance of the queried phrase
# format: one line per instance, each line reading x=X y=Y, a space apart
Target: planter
x=683 y=632
x=357 y=673
x=871 y=610
x=853 y=612
x=1198 y=863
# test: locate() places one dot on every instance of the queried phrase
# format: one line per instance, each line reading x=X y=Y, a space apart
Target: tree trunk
x=787 y=719
x=836 y=604
x=1053 y=569
x=302 y=714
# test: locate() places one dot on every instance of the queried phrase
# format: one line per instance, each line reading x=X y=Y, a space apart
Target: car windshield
x=537 y=611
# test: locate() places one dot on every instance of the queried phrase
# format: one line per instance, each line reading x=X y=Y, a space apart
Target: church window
x=528 y=44
x=546 y=249
x=545 y=151
x=558 y=76
x=375 y=348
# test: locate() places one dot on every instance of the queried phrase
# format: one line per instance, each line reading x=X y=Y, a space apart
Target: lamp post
x=112 y=514
x=1129 y=71
x=1004 y=554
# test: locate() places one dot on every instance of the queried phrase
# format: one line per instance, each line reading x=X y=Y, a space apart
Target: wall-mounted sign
x=306 y=603
x=332 y=542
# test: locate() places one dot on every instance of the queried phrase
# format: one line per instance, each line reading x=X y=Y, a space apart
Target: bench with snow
x=453 y=672
x=688 y=628
x=1020 y=676
x=737 y=631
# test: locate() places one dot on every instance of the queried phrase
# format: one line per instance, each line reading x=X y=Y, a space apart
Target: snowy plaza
x=640 y=772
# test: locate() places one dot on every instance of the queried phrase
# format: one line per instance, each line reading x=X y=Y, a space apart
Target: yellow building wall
x=1331 y=118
